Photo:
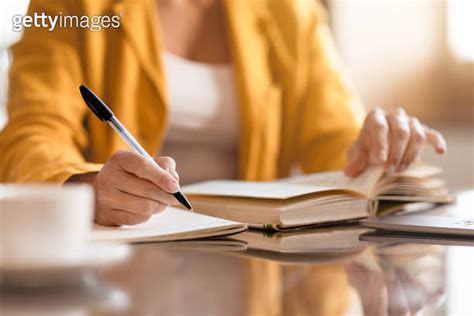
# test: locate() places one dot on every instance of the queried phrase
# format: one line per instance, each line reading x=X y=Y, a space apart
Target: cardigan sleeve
x=331 y=113
x=44 y=137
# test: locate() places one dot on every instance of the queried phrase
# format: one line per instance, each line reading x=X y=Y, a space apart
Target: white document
x=171 y=224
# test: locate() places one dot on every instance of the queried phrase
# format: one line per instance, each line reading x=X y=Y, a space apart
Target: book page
x=171 y=224
x=417 y=181
x=419 y=169
x=367 y=183
x=364 y=184
x=249 y=189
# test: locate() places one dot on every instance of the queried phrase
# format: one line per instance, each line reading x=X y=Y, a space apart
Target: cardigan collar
x=140 y=26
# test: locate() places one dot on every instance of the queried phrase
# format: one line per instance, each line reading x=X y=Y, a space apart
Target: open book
x=315 y=198
x=170 y=225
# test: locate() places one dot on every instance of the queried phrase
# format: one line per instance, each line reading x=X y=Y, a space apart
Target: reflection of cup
x=87 y=299
x=44 y=223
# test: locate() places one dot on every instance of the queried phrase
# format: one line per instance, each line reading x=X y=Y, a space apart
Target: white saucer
x=62 y=272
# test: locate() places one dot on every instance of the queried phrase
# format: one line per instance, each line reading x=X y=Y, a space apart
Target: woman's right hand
x=130 y=189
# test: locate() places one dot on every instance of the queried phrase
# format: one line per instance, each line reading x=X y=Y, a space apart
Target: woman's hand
x=393 y=139
x=130 y=189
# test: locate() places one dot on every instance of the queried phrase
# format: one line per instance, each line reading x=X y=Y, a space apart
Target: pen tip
x=187 y=204
x=183 y=200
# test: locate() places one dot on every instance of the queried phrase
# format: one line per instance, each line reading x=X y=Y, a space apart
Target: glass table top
x=226 y=276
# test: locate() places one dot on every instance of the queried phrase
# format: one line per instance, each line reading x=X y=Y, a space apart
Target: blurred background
x=418 y=54
x=8 y=9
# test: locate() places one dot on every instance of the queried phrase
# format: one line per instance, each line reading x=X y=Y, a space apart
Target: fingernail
x=172 y=172
x=173 y=186
x=402 y=168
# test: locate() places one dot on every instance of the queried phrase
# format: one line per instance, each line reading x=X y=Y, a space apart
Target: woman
x=229 y=89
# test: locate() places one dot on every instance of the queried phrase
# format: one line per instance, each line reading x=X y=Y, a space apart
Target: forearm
x=30 y=154
x=331 y=114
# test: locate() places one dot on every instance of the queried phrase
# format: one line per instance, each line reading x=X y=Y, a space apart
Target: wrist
x=88 y=178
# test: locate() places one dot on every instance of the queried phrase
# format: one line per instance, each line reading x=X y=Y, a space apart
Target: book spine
x=264 y=226
x=373 y=206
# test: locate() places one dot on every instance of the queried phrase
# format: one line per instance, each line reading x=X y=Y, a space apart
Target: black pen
x=105 y=114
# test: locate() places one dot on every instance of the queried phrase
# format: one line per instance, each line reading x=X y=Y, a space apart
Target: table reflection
x=160 y=279
x=86 y=299
x=398 y=279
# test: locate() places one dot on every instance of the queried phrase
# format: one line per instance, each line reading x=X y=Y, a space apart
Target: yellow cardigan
x=296 y=109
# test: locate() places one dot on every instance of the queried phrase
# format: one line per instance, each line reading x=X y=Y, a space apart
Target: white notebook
x=170 y=225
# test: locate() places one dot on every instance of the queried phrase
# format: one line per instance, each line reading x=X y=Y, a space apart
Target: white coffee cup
x=44 y=223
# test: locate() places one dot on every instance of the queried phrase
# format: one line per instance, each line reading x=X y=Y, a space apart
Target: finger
x=169 y=164
x=399 y=135
x=145 y=169
x=378 y=136
x=129 y=183
x=417 y=139
x=135 y=204
x=120 y=217
x=353 y=150
x=357 y=164
x=397 y=304
x=435 y=138
x=418 y=296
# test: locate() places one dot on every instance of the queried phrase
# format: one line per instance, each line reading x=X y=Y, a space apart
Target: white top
x=203 y=131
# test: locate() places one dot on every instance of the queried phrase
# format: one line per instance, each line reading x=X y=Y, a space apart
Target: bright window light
x=459 y=281
x=461 y=29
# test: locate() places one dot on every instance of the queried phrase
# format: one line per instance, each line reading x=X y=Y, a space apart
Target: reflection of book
x=208 y=244
x=308 y=245
x=390 y=238
x=327 y=240
x=316 y=198
x=172 y=224
x=300 y=258
x=426 y=224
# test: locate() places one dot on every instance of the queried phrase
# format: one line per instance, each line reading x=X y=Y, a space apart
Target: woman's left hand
x=391 y=138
